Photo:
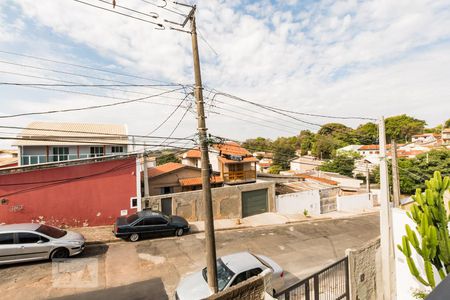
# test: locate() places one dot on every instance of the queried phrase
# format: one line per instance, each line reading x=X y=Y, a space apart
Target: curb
x=116 y=240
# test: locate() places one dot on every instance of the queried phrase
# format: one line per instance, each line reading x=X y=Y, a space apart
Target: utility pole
x=146 y=187
x=387 y=249
x=395 y=176
x=211 y=264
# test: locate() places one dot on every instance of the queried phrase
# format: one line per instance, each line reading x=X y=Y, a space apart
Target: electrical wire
x=86 y=107
x=122 y=14
x=84 y=67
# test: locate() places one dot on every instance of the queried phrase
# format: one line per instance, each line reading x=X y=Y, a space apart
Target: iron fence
x=330 y=283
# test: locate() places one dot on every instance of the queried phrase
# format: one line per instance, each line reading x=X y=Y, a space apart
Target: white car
x=231 y=270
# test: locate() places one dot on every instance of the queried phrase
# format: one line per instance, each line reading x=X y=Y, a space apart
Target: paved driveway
x=151 y=269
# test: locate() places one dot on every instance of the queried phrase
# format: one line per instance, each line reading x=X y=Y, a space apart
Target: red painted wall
x=84 y=195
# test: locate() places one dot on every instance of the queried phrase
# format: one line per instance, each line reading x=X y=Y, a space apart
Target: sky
x=337 y=58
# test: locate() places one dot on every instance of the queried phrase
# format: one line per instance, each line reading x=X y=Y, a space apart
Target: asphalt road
x=151 y=269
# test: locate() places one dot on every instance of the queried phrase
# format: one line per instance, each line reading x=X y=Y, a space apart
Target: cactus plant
x=431 y=218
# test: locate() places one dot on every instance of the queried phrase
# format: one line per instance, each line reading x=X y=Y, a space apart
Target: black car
x=149 y=223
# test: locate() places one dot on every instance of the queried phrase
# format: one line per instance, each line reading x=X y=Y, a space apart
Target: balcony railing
x=239 y=176
x=41 y=159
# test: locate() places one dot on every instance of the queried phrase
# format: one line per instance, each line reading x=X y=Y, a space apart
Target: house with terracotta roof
x=446 y=136
x=174 y=178
x=234 y=163
x=46 y=142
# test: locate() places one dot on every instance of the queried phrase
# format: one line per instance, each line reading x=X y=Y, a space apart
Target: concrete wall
x=328 y=199
x=365 y=271
x=88 y=194
x=354 y=203
x=227 y=201
x=296 y=203
x=405 y=282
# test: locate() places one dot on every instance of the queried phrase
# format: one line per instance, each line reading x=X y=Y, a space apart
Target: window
x=51 y=231
x=224 y=275
x=241 y=277
x=133 y=202
x=30 y=238
x=117 y=149
x=60 y=153
x=167 y=190
x=132 y=218
x=6 y=239
x=97 y=151
x=154 y=221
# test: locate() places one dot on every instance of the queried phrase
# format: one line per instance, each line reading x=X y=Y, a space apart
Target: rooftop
x=193 y=153
x=319 y=179
x=300 y=186
x=232 y=148
x=59 y=133
x=198 y=181
x=230 y=161
x=163 y=169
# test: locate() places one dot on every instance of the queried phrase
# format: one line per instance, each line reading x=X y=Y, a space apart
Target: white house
x=349 y=148
x=42 y=142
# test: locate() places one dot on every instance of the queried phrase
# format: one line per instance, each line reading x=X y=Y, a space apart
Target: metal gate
x=254 y=202
x=331 y=283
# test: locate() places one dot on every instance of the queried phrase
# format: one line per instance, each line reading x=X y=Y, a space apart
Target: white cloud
x=331 y=57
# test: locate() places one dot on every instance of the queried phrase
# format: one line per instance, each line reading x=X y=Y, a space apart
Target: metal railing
x=330 y=283
x=41 y=159
x=232 y=176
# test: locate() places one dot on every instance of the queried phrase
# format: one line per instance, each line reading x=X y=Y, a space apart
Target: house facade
x=446 y=136
x=90 y=192
x=47 y=142
x=305 y=163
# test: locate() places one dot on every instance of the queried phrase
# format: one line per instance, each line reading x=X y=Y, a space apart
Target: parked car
x=32 y=241
x=149 y=223
x=231 y=270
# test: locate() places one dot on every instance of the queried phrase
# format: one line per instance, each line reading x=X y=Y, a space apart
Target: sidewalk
x=103 y=234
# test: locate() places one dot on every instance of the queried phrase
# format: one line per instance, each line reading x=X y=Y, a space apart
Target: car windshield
x=51 y=231
x=224 y=275
x=132 y=218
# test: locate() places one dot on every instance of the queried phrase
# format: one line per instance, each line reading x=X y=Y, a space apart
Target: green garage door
x=254 y=202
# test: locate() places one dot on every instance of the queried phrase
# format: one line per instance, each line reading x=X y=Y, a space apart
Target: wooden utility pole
x=387 y=249
x=146 y=187
x=367 y=178
x=395 y=176
x=211 y=266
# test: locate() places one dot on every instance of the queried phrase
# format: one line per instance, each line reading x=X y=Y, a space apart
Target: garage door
x=254 y=202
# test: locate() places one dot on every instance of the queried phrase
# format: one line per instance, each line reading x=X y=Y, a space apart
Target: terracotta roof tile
x=232 y=148
x=162 y=169
x=193 y=153
x=198 y=181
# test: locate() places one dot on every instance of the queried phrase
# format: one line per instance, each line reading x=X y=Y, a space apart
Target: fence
x=330 y=283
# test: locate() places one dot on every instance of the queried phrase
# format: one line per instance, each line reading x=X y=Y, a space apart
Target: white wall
x=405 y=282
x=354 y=203
x=295 y=203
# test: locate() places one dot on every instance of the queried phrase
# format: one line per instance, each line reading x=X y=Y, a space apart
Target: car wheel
x=179 y=232
x=134 y=237
x=59 y=253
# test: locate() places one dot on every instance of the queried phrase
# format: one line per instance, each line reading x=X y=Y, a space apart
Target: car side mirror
x=40 y=242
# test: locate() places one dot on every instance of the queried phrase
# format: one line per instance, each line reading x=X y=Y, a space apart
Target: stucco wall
x=365 y=271
x=77 y=195
x=354 y=203
x=295 y=203
x=328 y=200
x=227 y=201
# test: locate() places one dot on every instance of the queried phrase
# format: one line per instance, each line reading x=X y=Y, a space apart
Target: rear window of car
x=6 y=238
x=51 y=231
x=132 y=218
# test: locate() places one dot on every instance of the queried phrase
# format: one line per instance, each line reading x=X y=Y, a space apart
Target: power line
x=154 y=16
x=83 y=85
x=164 y=8
x=86 y=132
x=81 y=66
x=170 y=115
x=86 y=107
x=178 y=124
x=161 y=26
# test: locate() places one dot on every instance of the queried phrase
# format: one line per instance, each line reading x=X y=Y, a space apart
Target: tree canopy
x=401 y=128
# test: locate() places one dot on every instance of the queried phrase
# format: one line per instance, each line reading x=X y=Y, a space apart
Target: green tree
x=283 y=153
x=324 y=146
x=345 y=135
x=343 y=164
x=306 y=139
x=275 y=169
x=167 y=158
x=402 y=128
x=259 y=144
x=367 y=134
x=447 y=124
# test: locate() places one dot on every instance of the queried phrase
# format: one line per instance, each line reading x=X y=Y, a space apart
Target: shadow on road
x=94 y=250
x=149 y=289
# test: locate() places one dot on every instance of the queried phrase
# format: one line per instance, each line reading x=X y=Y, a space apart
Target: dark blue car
x=148 y=223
